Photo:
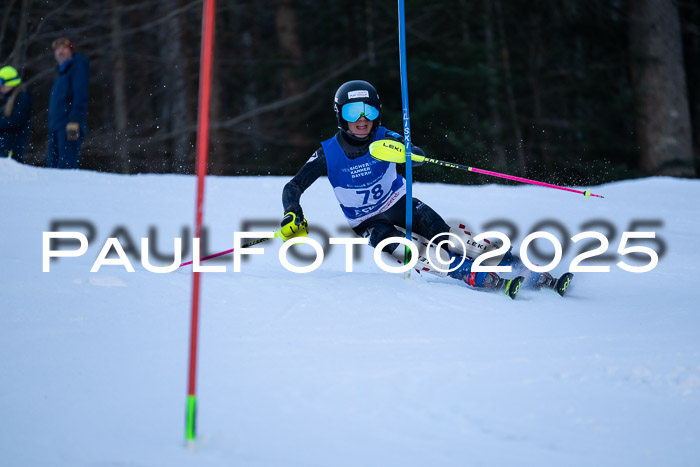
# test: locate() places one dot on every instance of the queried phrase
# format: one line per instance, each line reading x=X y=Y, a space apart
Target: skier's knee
x=380 y=232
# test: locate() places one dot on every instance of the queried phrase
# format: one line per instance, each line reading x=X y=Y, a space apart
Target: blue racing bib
x=363 y=186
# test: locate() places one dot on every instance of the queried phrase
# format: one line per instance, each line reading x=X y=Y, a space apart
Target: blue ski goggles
x=353 y=111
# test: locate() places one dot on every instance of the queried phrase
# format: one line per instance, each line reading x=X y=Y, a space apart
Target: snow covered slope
x=335 y=368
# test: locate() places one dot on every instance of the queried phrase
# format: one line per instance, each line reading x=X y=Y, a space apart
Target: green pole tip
x=587 y=194
x=191 y=421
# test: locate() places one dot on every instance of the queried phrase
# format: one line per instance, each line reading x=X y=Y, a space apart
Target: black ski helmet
x=356 y=91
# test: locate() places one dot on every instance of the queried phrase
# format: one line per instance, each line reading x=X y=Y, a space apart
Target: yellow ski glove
x=293 y=226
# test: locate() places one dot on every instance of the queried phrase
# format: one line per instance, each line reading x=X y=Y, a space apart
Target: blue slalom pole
x=406 y=129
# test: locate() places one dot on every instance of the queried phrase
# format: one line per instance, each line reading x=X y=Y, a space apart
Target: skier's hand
x=293 y=225
x=418 y=151
x=72 y=131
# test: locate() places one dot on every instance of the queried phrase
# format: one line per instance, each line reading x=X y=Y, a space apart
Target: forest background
x=566 y=91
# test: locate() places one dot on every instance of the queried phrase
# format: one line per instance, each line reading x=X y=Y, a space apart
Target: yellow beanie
x=9 y=76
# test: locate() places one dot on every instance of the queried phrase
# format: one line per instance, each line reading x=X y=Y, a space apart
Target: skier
x=371 y=192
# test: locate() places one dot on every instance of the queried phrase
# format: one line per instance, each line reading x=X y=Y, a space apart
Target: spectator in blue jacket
x=68 y=106
x=15 y=114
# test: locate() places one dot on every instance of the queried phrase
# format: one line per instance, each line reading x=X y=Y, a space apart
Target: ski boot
x=494 y=282
x=486 y=280
x=560 y=285
x=510 y=287
x=543 y=280
x=563 y=283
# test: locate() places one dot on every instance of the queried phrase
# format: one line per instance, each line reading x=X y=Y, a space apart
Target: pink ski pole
x=393 y=151
x=586 y=193
x=221 y=253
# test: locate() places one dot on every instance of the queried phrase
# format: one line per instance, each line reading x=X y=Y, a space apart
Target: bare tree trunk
x=499 y=159
x=5 y=19
x=505 y=57
x=119 y=81
x=663 y=128
x=219 y=160
x=252 y=42
x=174 y=113
x=189 y=91
x=371 y=42
x=292 y=55
x=690 y=19
x=466 y=8
x=19 y=51
x=536 y=58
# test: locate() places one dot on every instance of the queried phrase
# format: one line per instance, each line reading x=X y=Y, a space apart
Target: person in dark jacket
x=15 y=114
x=67 y=106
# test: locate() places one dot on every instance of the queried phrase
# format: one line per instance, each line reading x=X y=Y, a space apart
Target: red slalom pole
x=207 y=51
